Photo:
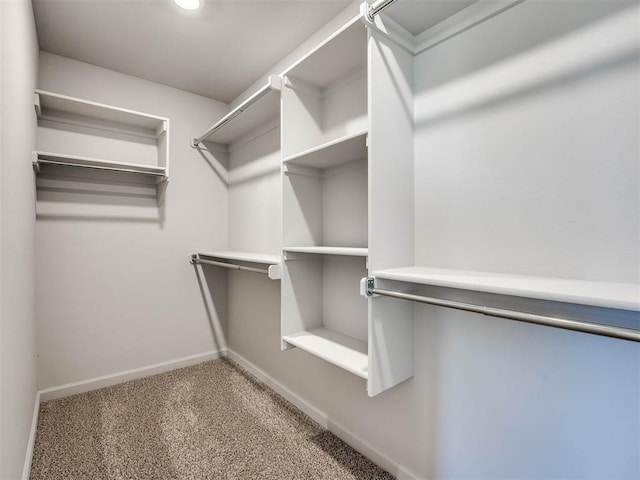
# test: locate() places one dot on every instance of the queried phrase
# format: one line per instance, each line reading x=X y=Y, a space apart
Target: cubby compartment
x=322 y=310
x=325 y=94
x=326 y=207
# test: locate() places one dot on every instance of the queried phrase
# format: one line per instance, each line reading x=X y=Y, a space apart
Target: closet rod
x=577 y=326
x=196 y=259
x=374 y=9
x=274 y=83
x=99 y=167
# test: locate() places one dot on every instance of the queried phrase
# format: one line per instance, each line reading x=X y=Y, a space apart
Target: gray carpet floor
x=209 y=421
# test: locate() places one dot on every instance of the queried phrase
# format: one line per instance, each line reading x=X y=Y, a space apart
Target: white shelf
x=264 y=105
x=75 y=111
x=263 y=258
x=346 y=251
x=46 y=160
x=343 y=52
x=343 y=351
x=335 y=152
x=625 y=296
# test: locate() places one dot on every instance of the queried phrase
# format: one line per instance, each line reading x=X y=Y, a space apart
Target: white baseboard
x=401 y=472
x=53 y=393
x=26 y=471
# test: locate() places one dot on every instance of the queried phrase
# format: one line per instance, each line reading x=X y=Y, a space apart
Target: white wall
x=528 y=164
x=115 y=290
x=18 y=67
x=493 y=398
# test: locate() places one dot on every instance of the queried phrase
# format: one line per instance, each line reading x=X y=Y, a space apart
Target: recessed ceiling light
x=188 y=4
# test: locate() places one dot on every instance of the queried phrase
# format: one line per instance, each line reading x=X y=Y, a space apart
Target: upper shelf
x=264 y=104
x=625 y=296
x=75 y=111
x=342 y=150
x=340 y=54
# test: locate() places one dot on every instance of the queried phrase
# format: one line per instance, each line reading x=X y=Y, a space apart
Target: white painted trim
x=465 y=19
x=268 y=380
x=401 y=472
x=53 y=393
x=26 y=471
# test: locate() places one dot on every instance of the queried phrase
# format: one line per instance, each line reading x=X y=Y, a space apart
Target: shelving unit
x=326 y=212
x=80 y=138
x=623 y=296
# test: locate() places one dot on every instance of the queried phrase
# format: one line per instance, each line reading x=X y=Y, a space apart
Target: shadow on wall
x=212 y=283
x=116 y=197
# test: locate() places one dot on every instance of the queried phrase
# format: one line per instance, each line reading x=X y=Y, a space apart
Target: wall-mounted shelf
x=74 y=111
x=350 y=147
x=264 y=105
x=625 y=296
x=346 y=251
x=341 y=350
x=45 y=163
x=88 y=140
x=237 y=260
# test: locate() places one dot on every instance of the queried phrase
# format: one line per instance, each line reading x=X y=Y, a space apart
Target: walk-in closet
x=284 y=239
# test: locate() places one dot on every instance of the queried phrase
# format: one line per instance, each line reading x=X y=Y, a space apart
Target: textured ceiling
x=217 y=51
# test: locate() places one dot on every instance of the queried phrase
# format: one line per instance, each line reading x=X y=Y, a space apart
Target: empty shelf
x=341 y=150
x=625 y=296
x=341 y=350
x=343 y=52
x=347 y=251
x=64 y=109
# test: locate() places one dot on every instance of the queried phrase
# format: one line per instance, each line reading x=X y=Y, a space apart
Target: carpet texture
x=209 y=421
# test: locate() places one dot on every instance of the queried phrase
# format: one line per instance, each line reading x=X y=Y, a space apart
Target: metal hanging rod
x=375 y=9
x=577 y=326
x=41 y=161
x=195 y=259
x=274 y=83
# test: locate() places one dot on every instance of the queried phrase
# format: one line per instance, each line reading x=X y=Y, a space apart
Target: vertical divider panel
x=391 y=207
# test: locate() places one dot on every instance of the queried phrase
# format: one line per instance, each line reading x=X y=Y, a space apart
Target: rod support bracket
x=193 y=259
x=195 y=143
x=367 y=284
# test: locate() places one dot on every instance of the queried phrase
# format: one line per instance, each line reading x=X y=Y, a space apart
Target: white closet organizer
x=445 y=230
x=84 y=139
x=242 y=138
x=326 y=175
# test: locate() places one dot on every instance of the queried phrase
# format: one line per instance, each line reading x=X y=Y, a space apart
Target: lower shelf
x=341 y=350
x=47 y=163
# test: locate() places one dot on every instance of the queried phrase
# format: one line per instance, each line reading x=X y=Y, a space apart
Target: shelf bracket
x=367 y=284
